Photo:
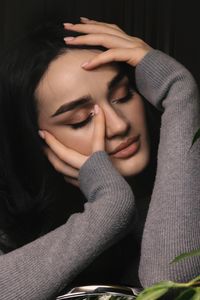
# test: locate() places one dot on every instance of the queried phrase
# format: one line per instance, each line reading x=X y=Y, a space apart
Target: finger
x=59 y=165
x=69 y=156
x=72 y=181
x=99 y=130
x=94 y=28
x=128 y=55
x=101 y=39
x=89 y=21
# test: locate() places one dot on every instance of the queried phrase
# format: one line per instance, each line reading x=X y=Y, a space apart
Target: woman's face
x=66 y=97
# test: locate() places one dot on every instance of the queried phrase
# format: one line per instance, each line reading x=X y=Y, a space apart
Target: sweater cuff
x=98 y=173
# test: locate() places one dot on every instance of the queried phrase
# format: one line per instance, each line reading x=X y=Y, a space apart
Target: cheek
x=136 y=114
x=78 y=140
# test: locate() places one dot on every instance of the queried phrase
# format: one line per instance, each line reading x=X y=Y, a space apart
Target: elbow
x=182 y=271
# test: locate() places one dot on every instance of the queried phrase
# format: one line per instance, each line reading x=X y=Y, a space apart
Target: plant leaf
x=156 y=291
x=186 y=294
x=195 y=279
x=196 y=295
x=185 y=255
x=196 y=137
x=161 y=284
x=152 y=294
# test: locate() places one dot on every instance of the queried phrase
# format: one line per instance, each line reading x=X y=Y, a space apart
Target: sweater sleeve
x=173 y=225
x=42 y=268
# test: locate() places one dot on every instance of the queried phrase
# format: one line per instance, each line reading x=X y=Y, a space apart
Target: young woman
x=76 y=196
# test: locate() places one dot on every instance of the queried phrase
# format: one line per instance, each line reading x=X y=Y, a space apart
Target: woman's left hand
x=68 y=161
x=121 y=46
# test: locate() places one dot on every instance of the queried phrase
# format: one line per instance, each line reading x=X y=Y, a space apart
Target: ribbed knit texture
x=173 y=221
x=39 y=270
x=42 y=268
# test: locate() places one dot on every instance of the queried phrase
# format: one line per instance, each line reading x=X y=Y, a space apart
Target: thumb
x=99 y=130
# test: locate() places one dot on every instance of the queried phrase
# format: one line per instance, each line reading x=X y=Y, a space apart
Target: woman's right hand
x=68 y=161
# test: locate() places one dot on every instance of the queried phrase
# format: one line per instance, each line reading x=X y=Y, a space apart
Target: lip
x=127 y=149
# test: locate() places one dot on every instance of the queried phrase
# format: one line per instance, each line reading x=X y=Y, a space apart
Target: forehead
x=66 y=79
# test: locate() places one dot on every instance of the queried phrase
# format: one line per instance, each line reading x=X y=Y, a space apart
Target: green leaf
x=186 y=294
x=156 y=291
x=185 y=255
x=161 y=284
x=196 y=295
x=153 y=294
x=196 y=137
x=195 y=279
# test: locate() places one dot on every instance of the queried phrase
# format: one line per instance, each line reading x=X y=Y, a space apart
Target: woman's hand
x=121 y=47
x=67 y=161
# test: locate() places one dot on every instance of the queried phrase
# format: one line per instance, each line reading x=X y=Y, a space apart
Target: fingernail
x=92 y=113
x=84 y=19
x=96 y=109
x=67 y=24
x=85 y=64
x=68 y=39
x=41 y=134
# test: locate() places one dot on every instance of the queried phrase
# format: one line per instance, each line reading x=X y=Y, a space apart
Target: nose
x=116 y=124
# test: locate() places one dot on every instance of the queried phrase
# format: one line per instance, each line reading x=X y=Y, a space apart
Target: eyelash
x=126 y=98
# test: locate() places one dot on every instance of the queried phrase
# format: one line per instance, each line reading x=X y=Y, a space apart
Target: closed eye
x=126 y=98
x=82 y=123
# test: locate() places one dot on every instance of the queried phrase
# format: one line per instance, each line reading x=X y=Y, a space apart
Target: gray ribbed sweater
x=39 y=270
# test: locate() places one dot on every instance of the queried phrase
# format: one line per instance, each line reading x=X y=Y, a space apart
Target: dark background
x=169 y=25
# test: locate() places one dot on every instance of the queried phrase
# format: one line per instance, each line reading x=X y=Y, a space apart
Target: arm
x=172 y=226
x=41 y=269
x=173 y=223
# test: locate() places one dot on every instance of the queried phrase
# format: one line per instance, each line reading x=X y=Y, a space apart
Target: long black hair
x=29 y=187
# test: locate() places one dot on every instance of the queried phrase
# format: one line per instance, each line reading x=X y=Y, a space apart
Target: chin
x=132 y=165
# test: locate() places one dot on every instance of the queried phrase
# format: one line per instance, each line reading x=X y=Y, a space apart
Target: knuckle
x=62 y=155
x=77 y=39
x=140 y=41
x=110 y=52
x=115 y=26
x=102 y=37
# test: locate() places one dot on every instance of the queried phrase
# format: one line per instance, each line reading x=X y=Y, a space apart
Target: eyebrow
x=84 y=100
